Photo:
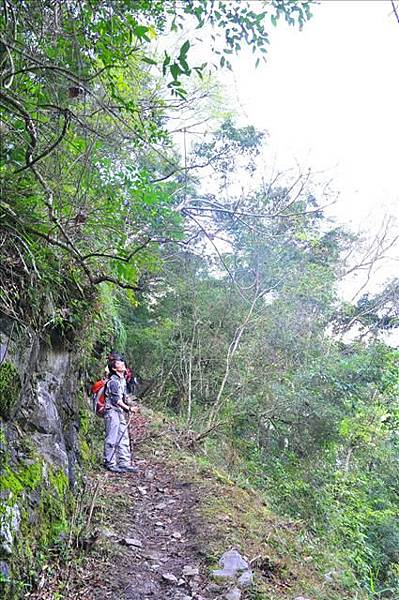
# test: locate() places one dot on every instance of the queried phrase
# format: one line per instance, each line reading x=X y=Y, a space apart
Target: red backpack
x=98 y=398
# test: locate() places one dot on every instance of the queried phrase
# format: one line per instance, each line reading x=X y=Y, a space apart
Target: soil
x=149 y=543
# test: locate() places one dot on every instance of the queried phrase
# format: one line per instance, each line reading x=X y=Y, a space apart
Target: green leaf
x=184 y=49
x=149 y=61
x=199 y=72
x=175 y=70
x=165 y=63
x=185 y=68
x=141 y=32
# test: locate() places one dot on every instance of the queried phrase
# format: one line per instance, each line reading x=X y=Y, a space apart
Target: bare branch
x=67 y=118
x=395 y=10
x=121 y=284
x=125 y=259
x=230 y=355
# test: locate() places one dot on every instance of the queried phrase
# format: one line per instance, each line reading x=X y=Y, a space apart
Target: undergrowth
x=289 y=560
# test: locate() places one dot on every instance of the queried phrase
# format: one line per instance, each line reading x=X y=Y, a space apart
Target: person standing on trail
x=131 y=380
x=117 y=456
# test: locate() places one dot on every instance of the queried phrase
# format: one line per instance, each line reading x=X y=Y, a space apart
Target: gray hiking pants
x=116 y=453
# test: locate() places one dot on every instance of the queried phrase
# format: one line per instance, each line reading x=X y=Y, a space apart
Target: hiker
x=130 y=379
x=132 y=382
x=113 y=356
x=117 y=456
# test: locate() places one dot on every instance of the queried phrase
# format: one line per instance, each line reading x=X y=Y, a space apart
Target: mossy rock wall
x=41 y=404
x=10 y=388
x=36 y=498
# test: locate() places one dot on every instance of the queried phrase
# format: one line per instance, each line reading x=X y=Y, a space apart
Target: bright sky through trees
x=329 y=96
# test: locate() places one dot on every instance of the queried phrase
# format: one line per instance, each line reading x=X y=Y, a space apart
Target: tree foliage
x=244 y=349
x=84 y=141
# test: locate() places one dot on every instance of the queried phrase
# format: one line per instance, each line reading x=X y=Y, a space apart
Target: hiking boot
x=114 y=469
x=129 y=469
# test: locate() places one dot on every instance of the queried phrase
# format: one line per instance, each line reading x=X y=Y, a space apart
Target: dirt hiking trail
x=145 y=546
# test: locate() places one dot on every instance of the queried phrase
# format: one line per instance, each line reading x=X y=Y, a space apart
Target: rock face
x=46 y=407
x=10 y=522
x=235 y=573
x=39 y=438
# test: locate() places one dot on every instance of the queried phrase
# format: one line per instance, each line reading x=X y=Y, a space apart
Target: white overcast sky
x=329 y=98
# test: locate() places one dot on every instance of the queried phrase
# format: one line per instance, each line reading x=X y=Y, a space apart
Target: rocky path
x=146 y=544
x=147 y=537
x=142 y=535
x=172 y=531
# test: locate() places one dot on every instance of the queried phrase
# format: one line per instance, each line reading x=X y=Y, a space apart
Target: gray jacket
x=114 y=392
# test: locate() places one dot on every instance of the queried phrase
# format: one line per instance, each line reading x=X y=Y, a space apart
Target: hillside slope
x=160 y=533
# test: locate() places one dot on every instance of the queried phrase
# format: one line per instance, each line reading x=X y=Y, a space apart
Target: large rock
x=235 y=573
x=246 y=579
x=232 y=564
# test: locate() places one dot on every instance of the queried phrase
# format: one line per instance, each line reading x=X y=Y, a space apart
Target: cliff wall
x=41 y=405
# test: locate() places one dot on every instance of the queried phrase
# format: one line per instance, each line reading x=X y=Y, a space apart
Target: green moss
x=10 y=387
x=84 y=421
x=90 y=437
x=44 y=499
x=55 y=501
x=59 y=481
x=85 y=452
x=26 y=478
